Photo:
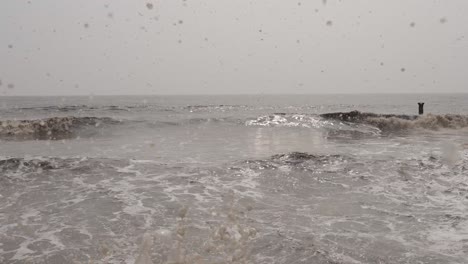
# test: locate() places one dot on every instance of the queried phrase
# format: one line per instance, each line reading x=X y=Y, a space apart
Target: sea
x=234 y=179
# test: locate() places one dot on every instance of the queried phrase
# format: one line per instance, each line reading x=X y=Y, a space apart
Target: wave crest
x=429 y=122
x=49 y=128
x=332 y=127
x=395 y=123
x=286 y=120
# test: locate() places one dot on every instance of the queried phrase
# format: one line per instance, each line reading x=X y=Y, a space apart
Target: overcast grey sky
x=65 y=47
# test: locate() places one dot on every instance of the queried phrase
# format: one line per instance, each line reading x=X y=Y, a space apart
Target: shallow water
x=233 y=179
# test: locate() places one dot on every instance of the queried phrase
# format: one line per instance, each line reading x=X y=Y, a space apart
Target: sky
x=96 y=47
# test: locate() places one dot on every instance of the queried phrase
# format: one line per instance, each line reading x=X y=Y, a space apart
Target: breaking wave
x=50 y=128
x=341 y=124
x=431 y=122
x=286 y=120
x=332 y=127
x=395 y=123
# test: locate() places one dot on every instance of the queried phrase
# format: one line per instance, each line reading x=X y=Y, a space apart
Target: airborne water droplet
x=183 y=212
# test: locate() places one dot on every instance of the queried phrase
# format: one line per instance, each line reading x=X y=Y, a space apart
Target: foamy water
x=234 y=180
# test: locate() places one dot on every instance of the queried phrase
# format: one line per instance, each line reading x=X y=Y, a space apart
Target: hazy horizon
x=240 y=94
x=219 y=47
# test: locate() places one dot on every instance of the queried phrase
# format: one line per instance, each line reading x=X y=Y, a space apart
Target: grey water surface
x=234 y=179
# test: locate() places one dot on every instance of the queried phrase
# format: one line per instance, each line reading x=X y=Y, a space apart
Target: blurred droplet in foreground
x=450 y=154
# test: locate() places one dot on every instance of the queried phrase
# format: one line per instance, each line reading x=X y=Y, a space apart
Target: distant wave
x=131 y=108
x=91 y=108
x=220 y=107
x=50 y=128
x=202 y=120
x=395 y=123
x=73 y=108
x=195 y=121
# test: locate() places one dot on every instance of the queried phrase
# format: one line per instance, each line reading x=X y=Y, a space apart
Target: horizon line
x=242 y=94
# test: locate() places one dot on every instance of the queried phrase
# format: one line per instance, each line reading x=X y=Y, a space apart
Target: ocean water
x=234 y=179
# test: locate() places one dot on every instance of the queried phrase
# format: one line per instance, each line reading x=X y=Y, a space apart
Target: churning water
x=234 y=179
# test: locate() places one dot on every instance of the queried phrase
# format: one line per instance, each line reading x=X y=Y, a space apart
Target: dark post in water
x=421 y=108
